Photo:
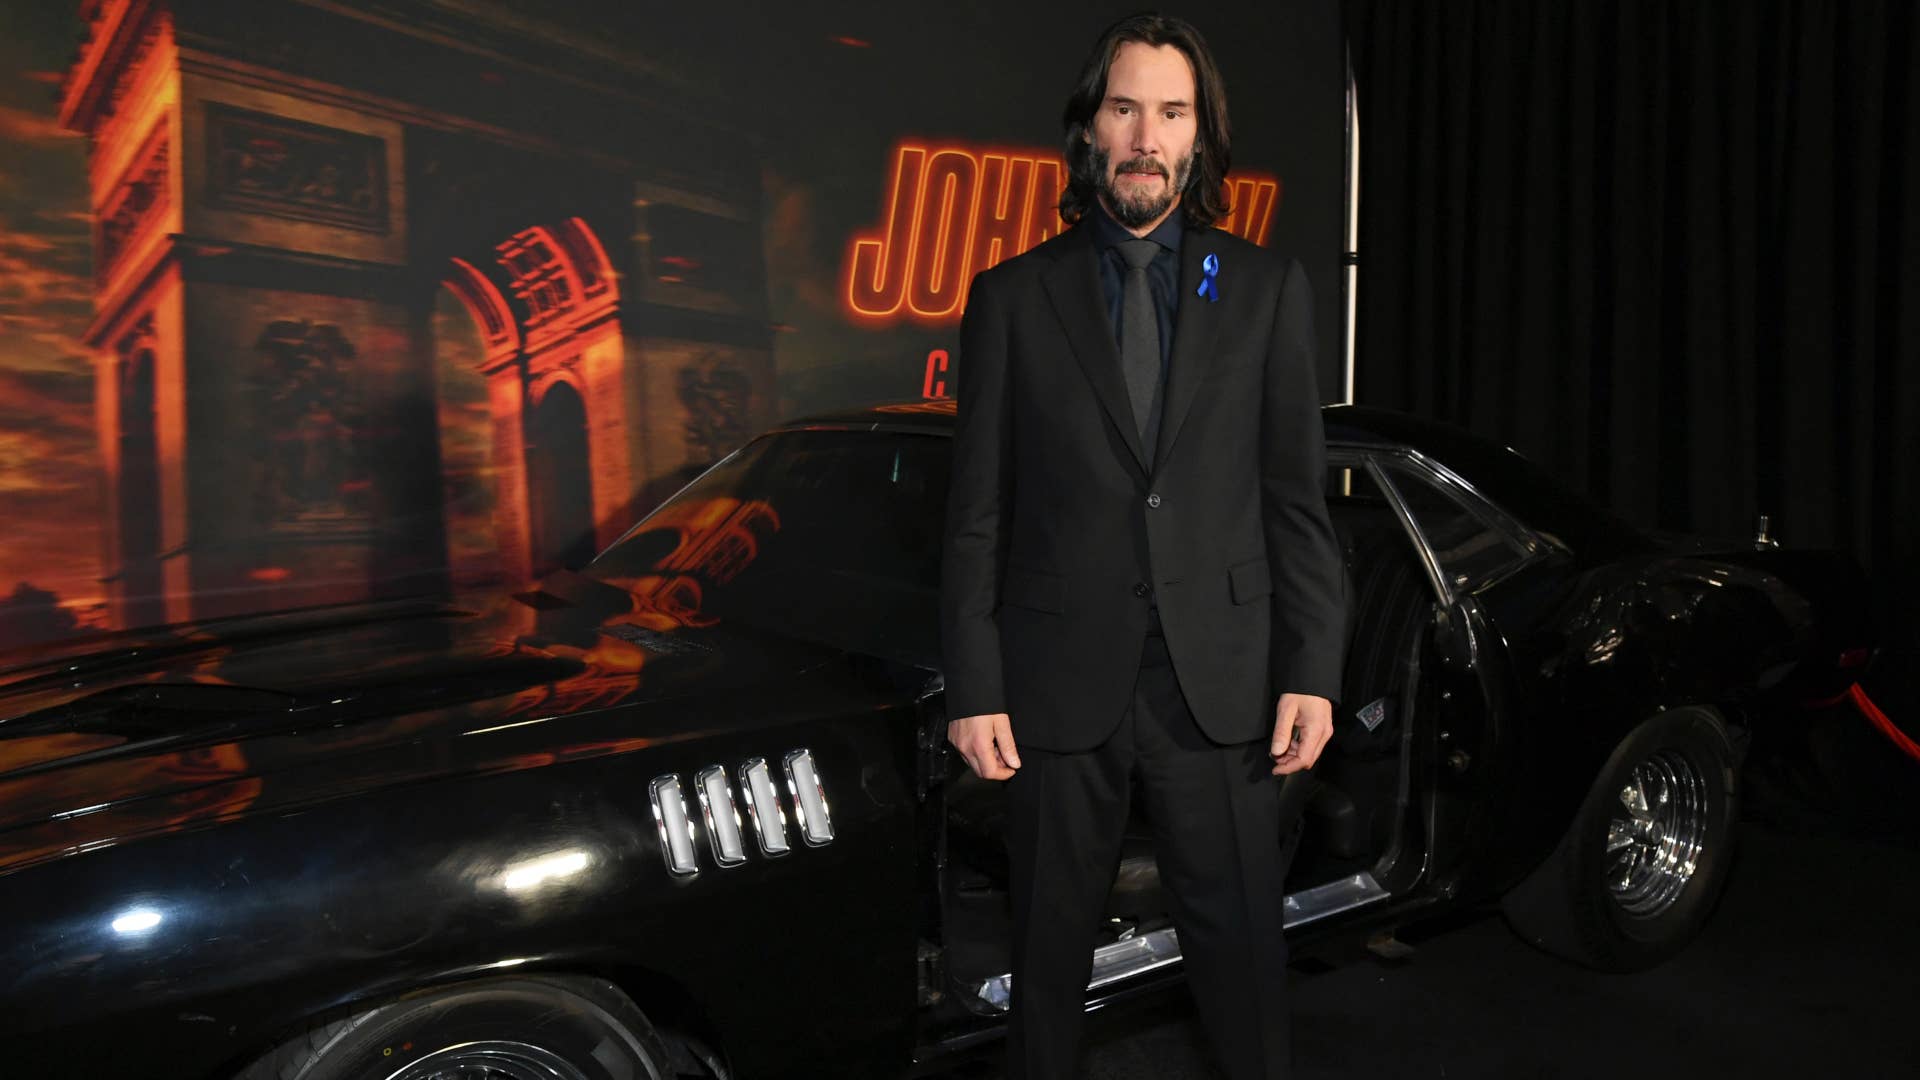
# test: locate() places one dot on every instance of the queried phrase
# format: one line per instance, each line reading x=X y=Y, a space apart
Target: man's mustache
x=1142 y=165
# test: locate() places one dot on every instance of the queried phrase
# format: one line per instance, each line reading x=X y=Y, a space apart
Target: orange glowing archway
x=499 y=330
x=547 y=306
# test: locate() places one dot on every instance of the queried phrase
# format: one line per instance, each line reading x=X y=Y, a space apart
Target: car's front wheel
x=521 y=1028
x=1648 y=853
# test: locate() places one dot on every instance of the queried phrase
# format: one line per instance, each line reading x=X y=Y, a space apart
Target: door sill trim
x=1160 y=948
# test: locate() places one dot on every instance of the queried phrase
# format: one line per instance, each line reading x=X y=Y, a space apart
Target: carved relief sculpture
x=291 y=169
x=314 y=476
x=716 y=400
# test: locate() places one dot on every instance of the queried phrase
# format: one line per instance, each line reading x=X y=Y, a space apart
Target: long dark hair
x=1205 y=199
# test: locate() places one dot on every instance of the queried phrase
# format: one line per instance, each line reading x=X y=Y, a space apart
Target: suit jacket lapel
x=1073 y=285
x=1196 y=326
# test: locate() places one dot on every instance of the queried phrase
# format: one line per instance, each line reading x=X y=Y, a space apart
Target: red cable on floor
x=1879 y=720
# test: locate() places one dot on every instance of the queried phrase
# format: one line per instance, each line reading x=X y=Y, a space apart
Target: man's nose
x=1145 y=136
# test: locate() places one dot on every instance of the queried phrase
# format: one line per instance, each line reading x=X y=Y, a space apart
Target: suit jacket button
x=1154 y=501
x=1141 y=588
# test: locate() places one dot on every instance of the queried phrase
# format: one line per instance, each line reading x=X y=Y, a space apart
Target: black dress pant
x=1215 y=812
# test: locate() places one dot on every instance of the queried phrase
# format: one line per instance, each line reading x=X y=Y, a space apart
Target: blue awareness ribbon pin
x=1209 y=270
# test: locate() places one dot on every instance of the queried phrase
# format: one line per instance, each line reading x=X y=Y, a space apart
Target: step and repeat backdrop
x=313 y=303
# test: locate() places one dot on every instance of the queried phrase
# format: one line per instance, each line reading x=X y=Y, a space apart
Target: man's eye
x=1121 y=109
x=1171 y=115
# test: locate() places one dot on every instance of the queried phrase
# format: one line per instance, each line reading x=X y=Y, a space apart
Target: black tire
x=1569 y=907
x=552 y=1022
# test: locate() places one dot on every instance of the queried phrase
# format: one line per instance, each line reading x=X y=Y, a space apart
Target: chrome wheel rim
x=1657 y=834
x=491 y=1060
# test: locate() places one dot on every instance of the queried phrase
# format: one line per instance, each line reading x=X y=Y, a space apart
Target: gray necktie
x=1139 y=335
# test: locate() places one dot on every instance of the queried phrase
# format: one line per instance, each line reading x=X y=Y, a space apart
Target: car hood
x=211 y=720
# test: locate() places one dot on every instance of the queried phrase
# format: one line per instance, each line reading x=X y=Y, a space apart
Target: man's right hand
x=986 y=741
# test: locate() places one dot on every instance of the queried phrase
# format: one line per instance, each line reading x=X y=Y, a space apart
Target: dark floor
x=1810 y=967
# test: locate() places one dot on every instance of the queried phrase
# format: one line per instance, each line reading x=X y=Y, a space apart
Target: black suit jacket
x=1059 y=532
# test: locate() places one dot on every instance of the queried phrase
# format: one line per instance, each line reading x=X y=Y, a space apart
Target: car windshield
x=828 y=535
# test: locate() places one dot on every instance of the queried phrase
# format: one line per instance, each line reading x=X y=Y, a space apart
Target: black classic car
x=690 y=809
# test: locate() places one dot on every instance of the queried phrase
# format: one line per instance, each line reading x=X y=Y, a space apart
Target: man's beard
x=1137 y=209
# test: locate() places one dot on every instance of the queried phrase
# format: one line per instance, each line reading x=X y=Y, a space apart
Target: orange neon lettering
x=934 y=386
x=953 y=211
x=1000 y=215
x=876 y=274
x=1252 y=203
x=1043 y=201
x=937 y=275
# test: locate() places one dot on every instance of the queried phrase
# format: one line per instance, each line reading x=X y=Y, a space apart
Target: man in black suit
x=1140 y=584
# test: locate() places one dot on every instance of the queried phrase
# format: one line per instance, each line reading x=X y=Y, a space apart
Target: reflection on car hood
x=209 y=721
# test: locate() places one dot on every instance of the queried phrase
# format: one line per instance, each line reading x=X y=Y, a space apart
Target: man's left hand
x=1302 y=725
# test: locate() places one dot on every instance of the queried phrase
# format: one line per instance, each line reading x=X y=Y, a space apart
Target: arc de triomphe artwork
x=281 y=190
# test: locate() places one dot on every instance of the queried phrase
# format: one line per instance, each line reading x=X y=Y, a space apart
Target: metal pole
x=1350 y=259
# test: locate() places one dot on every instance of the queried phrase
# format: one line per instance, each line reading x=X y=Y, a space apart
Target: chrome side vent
x=676 y=828
x=763 y=806
x=723 y=821
x=809 y=802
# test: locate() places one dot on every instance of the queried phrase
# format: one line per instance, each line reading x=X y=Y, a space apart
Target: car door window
x=1469 y=546
x=1390 y=596
x=1363 y=517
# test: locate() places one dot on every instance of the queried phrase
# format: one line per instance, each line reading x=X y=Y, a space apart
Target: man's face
x=1144 y=134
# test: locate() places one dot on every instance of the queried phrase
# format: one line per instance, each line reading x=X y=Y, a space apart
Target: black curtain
x=1669 y=250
